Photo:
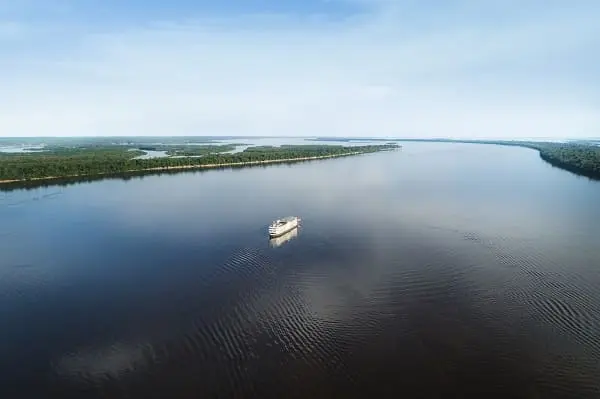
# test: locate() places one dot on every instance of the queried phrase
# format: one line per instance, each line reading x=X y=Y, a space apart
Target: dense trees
x=580 y=157
x=64 y=161
x=104 y=158
x=101 y=160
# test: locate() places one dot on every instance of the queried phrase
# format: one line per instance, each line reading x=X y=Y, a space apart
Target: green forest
x=579 y=157
x=104 y=160
x=582 y=159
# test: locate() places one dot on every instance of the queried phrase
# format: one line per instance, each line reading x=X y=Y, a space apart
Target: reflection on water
x=101 y=364
x=149 y=154
x=282 y=239
x=432 y=272
x=16 y=149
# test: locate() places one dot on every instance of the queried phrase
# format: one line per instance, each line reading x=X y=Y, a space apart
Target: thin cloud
x=387 y=71
x=10 y=30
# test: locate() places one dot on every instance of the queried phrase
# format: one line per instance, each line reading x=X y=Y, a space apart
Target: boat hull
x=277 y=231
x=284 y=238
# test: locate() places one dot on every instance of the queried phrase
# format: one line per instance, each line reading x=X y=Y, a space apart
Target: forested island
x=57 y=162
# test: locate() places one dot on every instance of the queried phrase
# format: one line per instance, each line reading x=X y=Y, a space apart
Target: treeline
x=118 y=160
x=65 y=162
x=576 y=158
x=138 y=174
x=107 y=140
x=582 y=158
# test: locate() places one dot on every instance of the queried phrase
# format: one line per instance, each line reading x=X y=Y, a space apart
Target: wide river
x=440 y=270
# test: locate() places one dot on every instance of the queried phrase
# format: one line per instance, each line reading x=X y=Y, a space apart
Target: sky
x=364 y=68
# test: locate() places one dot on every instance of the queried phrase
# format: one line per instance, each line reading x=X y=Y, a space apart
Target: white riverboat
x=276 y=242
x=283 y=225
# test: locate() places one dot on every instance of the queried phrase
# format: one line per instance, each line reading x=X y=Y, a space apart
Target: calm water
x=449 y=270
x=243 y=144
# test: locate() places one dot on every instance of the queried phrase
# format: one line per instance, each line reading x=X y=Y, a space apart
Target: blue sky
x=430 y=68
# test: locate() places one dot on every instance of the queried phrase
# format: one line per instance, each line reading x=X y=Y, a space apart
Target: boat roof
x=285 y=219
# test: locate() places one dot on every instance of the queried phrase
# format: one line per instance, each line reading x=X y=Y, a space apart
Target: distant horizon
x=224 y=137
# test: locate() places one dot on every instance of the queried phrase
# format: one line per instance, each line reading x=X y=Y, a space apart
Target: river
x=453 y=270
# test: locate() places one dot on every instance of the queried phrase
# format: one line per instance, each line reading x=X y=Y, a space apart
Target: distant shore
x=188 y=167
x=580 y=158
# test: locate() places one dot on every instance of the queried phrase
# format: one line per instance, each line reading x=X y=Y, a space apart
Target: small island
x=85 y=161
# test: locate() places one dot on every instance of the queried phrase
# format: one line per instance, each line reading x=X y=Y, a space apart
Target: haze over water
x=450 y=270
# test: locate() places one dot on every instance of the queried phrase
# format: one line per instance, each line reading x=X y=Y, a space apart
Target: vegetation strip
x=579 y=157
x=89 y=158
x=62 y=163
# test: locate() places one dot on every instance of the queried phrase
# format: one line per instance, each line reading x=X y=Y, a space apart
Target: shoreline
x=185 y=167
x=543 y=149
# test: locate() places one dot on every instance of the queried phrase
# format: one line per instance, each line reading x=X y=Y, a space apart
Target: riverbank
x=171 y=168
x=579 y=158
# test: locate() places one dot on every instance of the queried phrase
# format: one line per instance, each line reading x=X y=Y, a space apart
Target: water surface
x=452 y=270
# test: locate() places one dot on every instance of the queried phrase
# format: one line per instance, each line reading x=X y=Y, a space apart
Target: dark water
x=442 y=270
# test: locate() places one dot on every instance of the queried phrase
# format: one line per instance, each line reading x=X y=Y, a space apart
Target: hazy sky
x=412 y=68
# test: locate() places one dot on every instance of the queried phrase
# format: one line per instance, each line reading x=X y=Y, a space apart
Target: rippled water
x=440 y=270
